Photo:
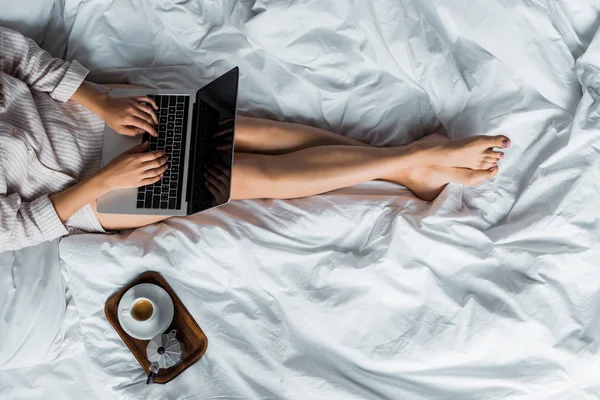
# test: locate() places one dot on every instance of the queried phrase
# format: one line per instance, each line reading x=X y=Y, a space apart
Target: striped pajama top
x=47 y=143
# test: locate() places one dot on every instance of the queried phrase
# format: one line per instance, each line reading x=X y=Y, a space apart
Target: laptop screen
x=211 y=151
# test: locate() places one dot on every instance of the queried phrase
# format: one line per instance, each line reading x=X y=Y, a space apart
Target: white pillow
x=32 y=305
x=28 y=17
x=40 y=20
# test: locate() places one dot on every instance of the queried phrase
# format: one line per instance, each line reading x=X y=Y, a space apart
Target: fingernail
x=501 y=155
x=505 y=143
x=492 y=169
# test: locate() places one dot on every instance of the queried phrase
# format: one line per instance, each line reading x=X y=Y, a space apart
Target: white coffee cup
x=142 y=309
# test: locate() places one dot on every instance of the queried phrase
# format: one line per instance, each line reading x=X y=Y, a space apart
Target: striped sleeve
x=25 y=60
x=26 y=224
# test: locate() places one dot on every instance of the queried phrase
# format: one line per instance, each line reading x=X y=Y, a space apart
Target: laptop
x=196 y=131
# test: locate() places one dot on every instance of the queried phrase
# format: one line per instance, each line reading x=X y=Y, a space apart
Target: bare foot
x=475 y=152
x=428 y=182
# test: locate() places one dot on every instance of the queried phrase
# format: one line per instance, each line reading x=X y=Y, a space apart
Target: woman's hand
x=133 y=168
x=128 y=116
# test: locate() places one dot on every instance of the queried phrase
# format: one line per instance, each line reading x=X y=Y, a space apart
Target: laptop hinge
x=189 y=197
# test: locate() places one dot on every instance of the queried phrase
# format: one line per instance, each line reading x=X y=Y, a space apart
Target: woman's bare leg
x=255 y=135
x=324 y=168
x=263 y=136
x=116 y=222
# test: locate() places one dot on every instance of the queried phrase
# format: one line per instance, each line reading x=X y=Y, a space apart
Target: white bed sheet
x=366 y=293
x=70 y=375
x=31 y=286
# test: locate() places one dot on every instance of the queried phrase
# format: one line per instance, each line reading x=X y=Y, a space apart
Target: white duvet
x=490 y=292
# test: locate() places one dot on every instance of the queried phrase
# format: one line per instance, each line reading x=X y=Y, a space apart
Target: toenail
x=505 y=143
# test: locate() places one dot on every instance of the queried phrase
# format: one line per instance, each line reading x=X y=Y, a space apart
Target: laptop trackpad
x=115 y=144
x=117 y=201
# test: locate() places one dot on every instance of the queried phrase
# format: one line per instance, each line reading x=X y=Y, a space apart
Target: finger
x=137 y=113
x=140 y=123
x=146 y=110
x=137 y=149
x=146 y=99
x=150 y=181
x=158 y=162
x=129 y=131
x=151 y=173
x=153 y=155
x=491 y=160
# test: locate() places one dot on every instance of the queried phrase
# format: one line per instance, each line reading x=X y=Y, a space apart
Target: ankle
x=420 y=154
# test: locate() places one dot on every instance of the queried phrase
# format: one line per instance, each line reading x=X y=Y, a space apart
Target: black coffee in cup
x=142 y=310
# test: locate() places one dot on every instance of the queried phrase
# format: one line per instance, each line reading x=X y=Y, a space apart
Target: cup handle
x=125 y=312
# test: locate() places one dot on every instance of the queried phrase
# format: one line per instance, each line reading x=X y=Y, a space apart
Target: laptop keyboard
x=172 y=117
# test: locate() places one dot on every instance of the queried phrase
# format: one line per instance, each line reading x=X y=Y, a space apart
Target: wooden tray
x=188 y=332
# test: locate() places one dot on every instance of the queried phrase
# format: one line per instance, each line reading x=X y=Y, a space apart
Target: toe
x=477 y=177
x=491 y=160
x=501 y=141
x=486 y=164
x=493 y=154
x=490 y=173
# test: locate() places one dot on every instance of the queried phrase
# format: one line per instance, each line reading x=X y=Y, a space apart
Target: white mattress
x=488 y=292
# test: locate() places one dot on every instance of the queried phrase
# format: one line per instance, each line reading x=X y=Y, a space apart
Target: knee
x=251 y=175
x=253 y=168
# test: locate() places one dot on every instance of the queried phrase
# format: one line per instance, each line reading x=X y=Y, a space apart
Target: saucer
x=144 y=330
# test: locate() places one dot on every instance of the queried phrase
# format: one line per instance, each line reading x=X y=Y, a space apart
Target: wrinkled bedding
x=367 y=292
